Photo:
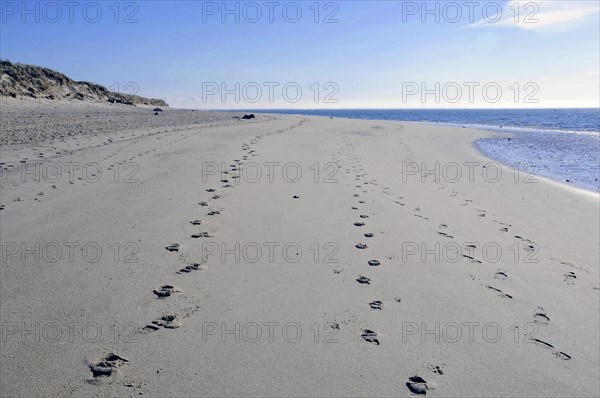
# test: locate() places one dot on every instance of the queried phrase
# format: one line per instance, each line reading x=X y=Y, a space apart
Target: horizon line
x=385 y=109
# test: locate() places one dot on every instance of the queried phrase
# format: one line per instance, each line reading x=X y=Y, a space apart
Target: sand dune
x=201 y=255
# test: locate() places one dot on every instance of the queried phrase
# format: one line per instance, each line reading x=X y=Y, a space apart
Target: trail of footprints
x=124 y=169
x=172 y=320
x=416 y=384
x=123 y=140
x=355 y=167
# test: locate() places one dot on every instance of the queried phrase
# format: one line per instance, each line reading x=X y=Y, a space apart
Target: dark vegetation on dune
x=19 y=80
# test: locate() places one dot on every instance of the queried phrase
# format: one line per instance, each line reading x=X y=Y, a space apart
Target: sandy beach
x=196 y=254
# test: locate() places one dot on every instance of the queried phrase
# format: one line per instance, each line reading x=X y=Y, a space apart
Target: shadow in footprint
x=109 y=364
x=370 y=336
x=556 y=353
x=500 y=292
x=201 y=235
x=189 y=268
x=173 y=247
x=570 y=278
x=417 y=385
x=165 y=291
x=541 y=318
x=501 y=274
x=168 y=321
x=472 y=259
x=376 y=305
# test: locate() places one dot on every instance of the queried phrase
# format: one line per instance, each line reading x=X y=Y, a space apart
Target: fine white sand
x=518 y=319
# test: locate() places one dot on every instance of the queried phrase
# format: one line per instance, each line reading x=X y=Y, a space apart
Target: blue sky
x=370 y=54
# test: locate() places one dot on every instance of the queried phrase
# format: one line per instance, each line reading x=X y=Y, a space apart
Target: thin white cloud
x=534 y=15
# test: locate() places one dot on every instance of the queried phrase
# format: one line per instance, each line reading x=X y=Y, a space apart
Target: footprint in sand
x=500 y=292
x=501 y=274
x=436 y=369
x=165 y=291
x=562 y=355
x=213 y=213
x=363 y=280
x=359 y=224
x=445 y=235
x=173 y=247
x=570 y=278
x=354 y=208
x=370 y=336
x=376 y=305
x=417 y=385
x=541 y=343
x=368 y=235
x=107 y=366
x=201 y=235
x=215 y=197
x=203 y=204
x=167 y=322
x=472 y=259
x=190 y=268
x=364 y=216
x=196 y=222
x=374 y=263
x=211 y=190
x=361 y=246
x=540 y=317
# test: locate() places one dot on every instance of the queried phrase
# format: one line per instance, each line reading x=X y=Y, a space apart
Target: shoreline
x=489 y=135
x=488 y=132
